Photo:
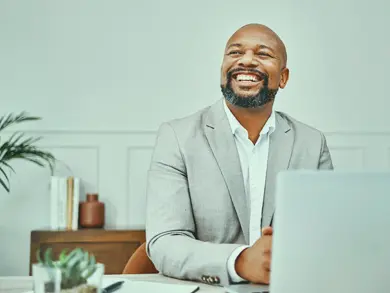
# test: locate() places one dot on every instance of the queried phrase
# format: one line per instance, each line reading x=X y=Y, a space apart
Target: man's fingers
x=265 y=278
x=262 y=277
x=267 y=263
x=267 y=231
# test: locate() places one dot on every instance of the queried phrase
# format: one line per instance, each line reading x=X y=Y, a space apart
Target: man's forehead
x=254 y=36
x=258 y=35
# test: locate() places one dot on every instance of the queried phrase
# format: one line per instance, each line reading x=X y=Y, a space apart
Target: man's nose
x=248 y=60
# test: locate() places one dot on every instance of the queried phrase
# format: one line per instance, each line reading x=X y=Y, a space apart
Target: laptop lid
x=331 y=232
x=247 y=288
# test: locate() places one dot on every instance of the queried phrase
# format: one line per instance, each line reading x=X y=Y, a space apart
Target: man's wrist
x=232 y=264
x=240 y=264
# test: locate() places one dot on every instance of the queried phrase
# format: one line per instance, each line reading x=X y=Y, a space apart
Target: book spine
x=62 y=203
x=76 y=201
x=69 y=203
x=54 y=197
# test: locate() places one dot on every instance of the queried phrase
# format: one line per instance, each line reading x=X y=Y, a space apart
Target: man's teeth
x=242 y=77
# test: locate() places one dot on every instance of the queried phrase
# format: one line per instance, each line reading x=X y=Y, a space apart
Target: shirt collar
x=269 y=126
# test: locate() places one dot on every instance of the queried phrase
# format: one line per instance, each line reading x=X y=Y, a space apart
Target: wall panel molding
x=122 y=157
x=138 y=161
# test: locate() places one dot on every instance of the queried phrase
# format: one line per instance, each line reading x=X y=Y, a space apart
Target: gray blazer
x=197 y=211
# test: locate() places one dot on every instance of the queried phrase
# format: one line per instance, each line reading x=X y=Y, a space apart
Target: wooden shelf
x=113 y=248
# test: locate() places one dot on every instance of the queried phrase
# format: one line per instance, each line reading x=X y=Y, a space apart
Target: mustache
x=263 y=75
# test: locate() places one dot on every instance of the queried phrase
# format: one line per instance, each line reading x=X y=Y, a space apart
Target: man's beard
x=264 y=96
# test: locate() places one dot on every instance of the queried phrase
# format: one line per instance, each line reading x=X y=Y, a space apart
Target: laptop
x=247 y=288
x=331 y=233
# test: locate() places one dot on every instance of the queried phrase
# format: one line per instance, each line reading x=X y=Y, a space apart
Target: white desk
x=23 y=284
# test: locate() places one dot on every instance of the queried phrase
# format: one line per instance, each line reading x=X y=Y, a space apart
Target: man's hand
x=254 y=263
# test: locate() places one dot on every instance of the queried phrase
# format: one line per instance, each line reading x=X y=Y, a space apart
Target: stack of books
x=64 y=203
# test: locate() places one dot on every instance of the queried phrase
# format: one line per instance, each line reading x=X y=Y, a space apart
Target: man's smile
x=247 y=79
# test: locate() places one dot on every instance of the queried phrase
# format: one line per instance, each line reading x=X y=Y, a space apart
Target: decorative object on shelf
x=91 y=212
x=20 y=147
x=76 y=272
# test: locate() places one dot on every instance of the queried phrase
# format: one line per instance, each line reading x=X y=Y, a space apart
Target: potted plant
x=68 y=274
x=20 y=147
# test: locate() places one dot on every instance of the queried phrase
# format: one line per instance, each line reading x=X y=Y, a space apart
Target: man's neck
x=253 y=120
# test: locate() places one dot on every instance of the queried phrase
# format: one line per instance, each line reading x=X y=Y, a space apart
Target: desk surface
x=23 y=284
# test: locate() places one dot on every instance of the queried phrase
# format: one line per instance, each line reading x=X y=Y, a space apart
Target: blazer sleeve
x=170 y=227
x=325 y=161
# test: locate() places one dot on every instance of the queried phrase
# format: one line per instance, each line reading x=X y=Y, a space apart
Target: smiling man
x=211 y=182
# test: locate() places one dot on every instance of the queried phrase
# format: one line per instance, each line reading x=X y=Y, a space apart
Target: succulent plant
x=76 y=266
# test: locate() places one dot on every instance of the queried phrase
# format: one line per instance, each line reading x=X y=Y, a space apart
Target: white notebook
x=131 y=286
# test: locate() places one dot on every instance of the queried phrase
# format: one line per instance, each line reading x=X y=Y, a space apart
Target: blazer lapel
x=222 y=144
x=280 y=149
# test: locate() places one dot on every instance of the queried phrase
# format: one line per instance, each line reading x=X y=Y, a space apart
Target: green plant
x=20 y=147
x=76 y=267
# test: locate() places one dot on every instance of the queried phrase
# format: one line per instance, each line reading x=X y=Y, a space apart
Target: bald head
x=263 y=33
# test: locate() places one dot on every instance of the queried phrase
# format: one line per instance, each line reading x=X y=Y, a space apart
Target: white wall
x=105 y=74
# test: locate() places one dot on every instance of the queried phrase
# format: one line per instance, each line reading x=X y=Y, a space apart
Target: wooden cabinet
x=113 y=248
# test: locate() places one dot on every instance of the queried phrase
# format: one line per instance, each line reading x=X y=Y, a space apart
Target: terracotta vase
x=91 y=212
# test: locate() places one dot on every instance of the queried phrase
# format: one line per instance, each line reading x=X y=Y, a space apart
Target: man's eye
x=264 y=54
x=234 y=53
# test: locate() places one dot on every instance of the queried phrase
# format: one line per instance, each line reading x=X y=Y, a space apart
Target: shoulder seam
x=178 y=144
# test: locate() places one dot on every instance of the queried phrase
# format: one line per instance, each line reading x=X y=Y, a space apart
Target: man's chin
x=246 y=94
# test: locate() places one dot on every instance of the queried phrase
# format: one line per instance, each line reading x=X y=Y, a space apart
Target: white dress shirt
x=253 y=158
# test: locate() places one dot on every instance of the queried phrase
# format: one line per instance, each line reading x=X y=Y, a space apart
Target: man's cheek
x=224 y=80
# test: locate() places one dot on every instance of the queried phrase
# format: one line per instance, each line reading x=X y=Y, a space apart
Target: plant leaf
x=5 y=175
x=38 y=255
x=62 y=256
x=16 y=148
x=72 y=254
x=48 y=257
x=7 y=165
x=4 y=185
x=84 y=263
x=20 y=147
x=10 y=119
x=90 y=271
x=35 y=161
x=92 y=260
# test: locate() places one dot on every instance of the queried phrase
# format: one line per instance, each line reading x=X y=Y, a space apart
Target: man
x=211 y=183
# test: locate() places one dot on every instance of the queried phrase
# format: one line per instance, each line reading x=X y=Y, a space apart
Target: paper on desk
x=132 y=286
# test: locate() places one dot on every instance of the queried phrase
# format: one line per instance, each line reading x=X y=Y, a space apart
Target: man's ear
x=284 y=77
